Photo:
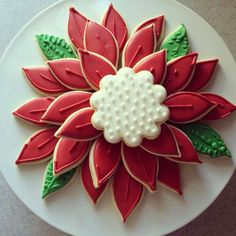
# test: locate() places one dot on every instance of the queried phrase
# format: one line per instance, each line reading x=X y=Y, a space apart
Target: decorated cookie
x=43 y=81
x=33 y=110
x=140 y=119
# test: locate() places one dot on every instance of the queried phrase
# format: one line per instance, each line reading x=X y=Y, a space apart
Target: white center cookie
x=129 y=107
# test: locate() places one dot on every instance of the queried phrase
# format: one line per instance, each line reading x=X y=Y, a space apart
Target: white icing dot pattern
x=129 y=107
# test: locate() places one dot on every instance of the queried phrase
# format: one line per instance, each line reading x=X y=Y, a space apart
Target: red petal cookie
x=169 y=175
x=223 y=108
x=68 y=154
x=65 y=105
x=187 y=107
x=141 y=165
x=78 y=126
x=127 y=192
x=43 y=81
x=104 y=159
x=157 y=21
x=203 y=73
x=179 y=73
x=115 y=23
x=141 y=44
x=95 y=67
x=33 y=110
x=187 y=150
x=100 y=40
x=87 y=182
x=68 y=72
x=158 y=146
x=76 y=27
x=156 y=64
x=39 y=147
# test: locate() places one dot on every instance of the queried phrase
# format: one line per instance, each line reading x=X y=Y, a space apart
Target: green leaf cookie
x=53 y=183
x=54 y=47
x=206 y=140
x=176 y=43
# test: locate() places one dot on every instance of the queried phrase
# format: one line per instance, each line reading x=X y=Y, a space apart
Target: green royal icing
x=54 y=47
x=206 y=140
x=53 y=183
x=176 y=43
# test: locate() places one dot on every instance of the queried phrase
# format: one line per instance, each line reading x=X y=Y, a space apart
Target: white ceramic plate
x=69 y=209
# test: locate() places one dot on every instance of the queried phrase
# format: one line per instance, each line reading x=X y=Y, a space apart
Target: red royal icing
x=169 y=175
x=87 y=182
x=141 y=165
x=76 y=27
x=39 y=147
x=127 y=192
x=65 y=105
x=43 y=80
x=33 y=110
x=159 y=145
x=115 y=23
x=179 y=73
x=157 y=21
x=187 y=107
x=141 y=44
x=78 y=126
x=104 y=159
x=68 y=72
x=95 y=67
x=187 y=150
x=155 y=63
x=100 y=40
x=68 y=154
x=203 y=74
x=222 y=110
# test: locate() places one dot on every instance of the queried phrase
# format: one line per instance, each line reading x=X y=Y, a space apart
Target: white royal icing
x=129 y=107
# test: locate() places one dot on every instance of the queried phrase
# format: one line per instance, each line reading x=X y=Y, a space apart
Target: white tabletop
x=218 y=219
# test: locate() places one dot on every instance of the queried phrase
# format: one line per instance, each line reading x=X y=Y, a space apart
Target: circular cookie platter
x=69 y=210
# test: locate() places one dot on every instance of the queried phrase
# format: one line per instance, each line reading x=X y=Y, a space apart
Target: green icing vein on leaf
x=54 y=47
x=53 y=183
x=206 y=140
x=176 y=43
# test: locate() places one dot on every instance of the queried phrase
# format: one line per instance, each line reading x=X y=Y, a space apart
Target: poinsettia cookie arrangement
x=124 y=110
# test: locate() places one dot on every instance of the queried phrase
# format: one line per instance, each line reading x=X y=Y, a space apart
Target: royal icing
x=179 y=73
x=87 y=182
x=39 y=147
x=104 y=159
x=187 y=107
x=169 y=175
x=204 y=71
x=65 y=105
x=127 y=192
x=141 y=44
x=33 y=110
x=223 y=109
x=129 y=107
x=141 y=165
x=158 y=146
x=54 y=47
x=53 y=183
x=115 y=23
x=68 y=154
x=43 y=80
x=176 y=43
x=78 y=126
x=100 y=40
x=95 y=67
x=158 y=23
x=156 y=64
x=68 y=72
x=76 y=27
